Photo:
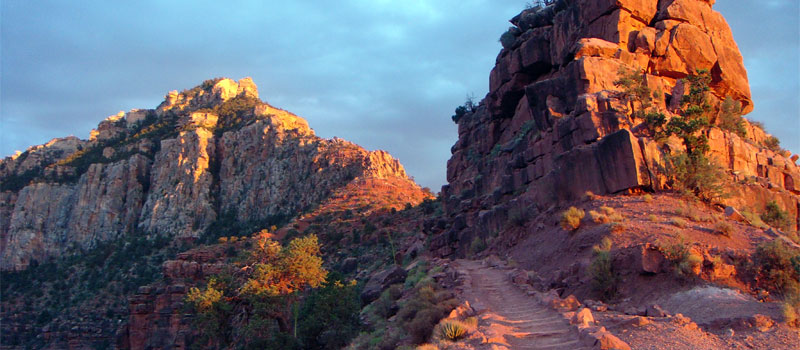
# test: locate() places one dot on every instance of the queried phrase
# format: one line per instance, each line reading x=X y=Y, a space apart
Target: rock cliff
x=554 y=124
x=211 y=155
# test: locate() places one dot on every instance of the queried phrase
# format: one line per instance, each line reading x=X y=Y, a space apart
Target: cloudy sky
x=384 y=74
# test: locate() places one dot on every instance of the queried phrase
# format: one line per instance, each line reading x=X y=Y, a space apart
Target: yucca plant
x=452 y=330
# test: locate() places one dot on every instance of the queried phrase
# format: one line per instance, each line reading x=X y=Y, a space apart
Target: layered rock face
x=210 y=153
x=554 y=125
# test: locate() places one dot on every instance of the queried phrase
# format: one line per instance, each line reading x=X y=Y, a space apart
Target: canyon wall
x=554 y=124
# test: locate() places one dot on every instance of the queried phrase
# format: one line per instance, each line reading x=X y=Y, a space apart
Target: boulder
x=380 y=281
x=733 y=214
x=651 y=260
x=583 y=318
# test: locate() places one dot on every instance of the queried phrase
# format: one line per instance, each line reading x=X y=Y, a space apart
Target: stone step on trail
x=513 y=319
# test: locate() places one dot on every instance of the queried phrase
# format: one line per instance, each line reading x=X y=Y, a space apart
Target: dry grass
x=571 y=218
x=723 y=228
x=598 y=217
x=678 y=222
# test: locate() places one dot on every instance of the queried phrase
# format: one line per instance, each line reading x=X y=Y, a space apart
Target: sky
x=383 y=74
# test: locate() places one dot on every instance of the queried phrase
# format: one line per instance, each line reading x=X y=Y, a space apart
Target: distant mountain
x=211 y=156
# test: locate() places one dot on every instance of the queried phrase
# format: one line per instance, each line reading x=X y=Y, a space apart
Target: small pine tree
x=731 y=117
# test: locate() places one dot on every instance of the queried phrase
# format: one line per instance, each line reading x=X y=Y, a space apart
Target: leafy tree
x=280 y=273
x=213 y=312
x=274 y=280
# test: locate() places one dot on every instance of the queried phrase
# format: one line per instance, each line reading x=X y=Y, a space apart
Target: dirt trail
x=509 y=318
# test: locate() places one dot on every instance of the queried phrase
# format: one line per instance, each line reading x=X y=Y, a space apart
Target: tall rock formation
x=211 y=154
x=554 y=124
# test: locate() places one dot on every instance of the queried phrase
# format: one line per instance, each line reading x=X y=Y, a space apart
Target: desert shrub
x=329 y=316
x=478 y=245
x=723 y=228
x=589 y=196
x=616 y=227
x=427 y=305
x=635 y=91
x=791 y=310
x=508 y=38
x=774 y=216
x=773 y=144
x=601 y=269
x=753 y=219
x=697 y=174
x=452 y=330
x=731 y=117
x=468 y=107
x=571 y=218
x=681 y=259
x=598 y=217
x=647 y=198
x=776 y=267
x=652 y=218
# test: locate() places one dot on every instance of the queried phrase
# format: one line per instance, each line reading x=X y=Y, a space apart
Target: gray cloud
x=385 y=75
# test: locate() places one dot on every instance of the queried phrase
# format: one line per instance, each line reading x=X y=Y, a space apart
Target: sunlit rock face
x=205 y=154
x=553 y=125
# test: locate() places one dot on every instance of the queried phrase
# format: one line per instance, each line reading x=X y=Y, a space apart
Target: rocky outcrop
x=214 y=152
x=179 y=201
x=157 y=314
x=554 y=124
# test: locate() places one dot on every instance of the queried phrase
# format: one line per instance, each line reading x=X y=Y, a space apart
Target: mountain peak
x=210 y=92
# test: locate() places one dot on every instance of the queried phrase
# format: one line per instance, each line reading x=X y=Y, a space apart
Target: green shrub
x=468 y=107
x=571 y=218
x=677 y=253
x=776 y=267
x=478 y=245
x=773 y=144
x=774 y=216
x=698 y=175
x=508 y=38
x=731 y=117
x=601 y=269
x=452 y=330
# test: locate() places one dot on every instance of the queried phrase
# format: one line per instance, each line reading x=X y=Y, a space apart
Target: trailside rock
x=380 y=281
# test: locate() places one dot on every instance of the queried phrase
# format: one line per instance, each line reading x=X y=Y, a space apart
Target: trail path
x=509 y=318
